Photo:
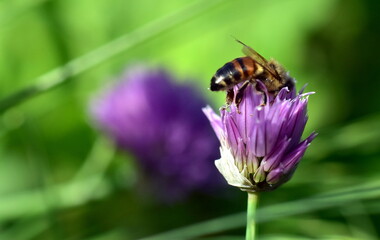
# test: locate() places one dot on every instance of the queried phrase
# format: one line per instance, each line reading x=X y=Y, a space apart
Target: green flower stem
x=251 y=216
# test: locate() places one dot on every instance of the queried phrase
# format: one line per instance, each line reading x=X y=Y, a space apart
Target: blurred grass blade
x=332 y=199
x=59 y=75
x=11 y=10
x=98 y=159
x=25 y=229
x=358 y=136
x=289 y=237
x=359 y=221
x=34 y=202
x=89 y=183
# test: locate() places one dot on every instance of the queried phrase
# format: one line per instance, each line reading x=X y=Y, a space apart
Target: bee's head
x=216 y=86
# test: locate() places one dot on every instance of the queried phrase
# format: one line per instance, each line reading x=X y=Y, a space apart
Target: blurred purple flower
x=261 y=146
x=162 y=124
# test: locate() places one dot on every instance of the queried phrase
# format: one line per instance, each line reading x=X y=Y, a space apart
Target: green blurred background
x=61 y=179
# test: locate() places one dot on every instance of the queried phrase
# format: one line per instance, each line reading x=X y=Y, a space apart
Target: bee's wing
x=258 y=58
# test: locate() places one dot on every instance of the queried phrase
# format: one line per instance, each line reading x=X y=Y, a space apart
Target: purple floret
x=161 y=123
x=261 y=143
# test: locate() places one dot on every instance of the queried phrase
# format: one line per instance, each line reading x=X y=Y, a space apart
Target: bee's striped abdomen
x=247 y=66
x=232 y=73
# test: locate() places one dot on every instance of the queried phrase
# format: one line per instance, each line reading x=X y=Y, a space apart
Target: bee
x=249 y=69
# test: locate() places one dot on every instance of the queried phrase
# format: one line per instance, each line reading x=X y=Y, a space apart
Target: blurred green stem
x=64 y=73
x=251 y=216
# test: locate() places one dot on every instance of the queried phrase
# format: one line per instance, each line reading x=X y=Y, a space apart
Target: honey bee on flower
x=250 y=69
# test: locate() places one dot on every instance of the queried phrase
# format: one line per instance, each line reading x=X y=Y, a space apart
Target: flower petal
x=226 y=166
x=252 y=161
x=275 y=175
x=258 y=135
x=259 y=175
x=246 y=115
x=274 y=159
x=232 y=132
x=292 y=159
x=215 y=120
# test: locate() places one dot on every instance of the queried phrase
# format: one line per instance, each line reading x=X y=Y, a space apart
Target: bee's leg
x=240 y=94
x=230 y=96
x=265 y=100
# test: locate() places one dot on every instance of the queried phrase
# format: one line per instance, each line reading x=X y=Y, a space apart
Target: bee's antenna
x=237 y=40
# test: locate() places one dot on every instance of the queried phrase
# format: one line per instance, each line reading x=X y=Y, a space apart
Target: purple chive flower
x=162 y=124
x=261 y=145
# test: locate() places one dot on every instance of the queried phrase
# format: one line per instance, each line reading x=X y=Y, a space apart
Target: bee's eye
x=216 y=87
x=272 y=65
